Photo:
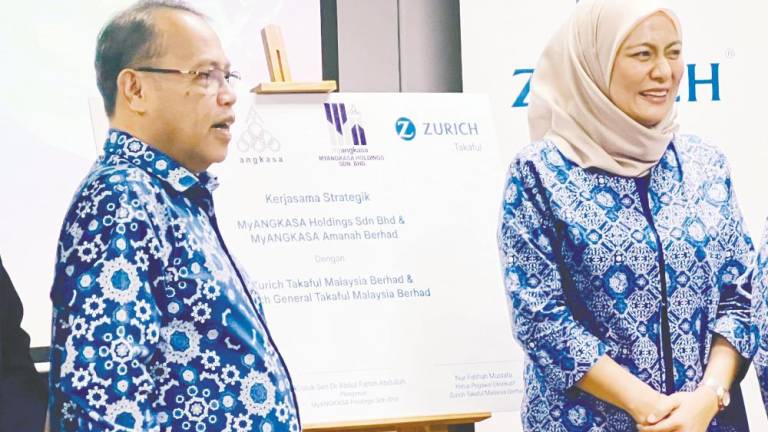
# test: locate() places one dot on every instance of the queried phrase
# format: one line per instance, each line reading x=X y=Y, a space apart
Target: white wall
x=369 y=58
x=430 y=46
x=397 y=45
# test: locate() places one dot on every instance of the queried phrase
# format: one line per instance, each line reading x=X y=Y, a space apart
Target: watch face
x=726 y=399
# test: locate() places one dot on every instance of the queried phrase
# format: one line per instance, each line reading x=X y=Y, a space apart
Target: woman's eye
x=642 y=55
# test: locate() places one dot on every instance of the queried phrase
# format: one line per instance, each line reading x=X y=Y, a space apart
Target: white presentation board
x=721 y=94
x=368 y=223
x=52 y=122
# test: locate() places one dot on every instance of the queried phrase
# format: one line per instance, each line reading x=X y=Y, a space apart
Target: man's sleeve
x=106 y=323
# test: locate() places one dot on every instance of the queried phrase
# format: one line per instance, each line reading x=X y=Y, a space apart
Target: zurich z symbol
x=405 y=128
x=345 y=125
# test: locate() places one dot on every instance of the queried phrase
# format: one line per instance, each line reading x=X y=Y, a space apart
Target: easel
x=280 y=76
x=280 y=73
x=444 y=423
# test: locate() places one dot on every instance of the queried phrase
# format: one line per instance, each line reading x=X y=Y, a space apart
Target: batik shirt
x=760 y=314
x=645 y=270
x=154 y=327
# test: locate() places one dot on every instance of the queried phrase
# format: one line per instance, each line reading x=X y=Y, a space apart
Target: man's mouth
x=224 y=124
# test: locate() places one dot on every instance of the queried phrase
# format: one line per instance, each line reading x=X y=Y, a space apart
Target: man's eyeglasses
x=206 y=77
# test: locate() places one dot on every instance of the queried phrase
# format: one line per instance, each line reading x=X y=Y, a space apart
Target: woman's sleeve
x=760 y=314
x=560 y=347
x=733 y=320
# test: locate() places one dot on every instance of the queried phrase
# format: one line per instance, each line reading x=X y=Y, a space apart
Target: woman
x=622 y=243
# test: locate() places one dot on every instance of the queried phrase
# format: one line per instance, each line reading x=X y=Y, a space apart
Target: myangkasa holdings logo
x=349 y=143
x=346 y=125
x=405 y=128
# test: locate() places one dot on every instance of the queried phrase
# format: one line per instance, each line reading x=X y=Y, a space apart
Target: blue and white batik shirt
x=644 y=269
x=154 y=326
x=760 y=314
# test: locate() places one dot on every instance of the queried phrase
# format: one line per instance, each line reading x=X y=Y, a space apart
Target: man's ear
x=131 y=88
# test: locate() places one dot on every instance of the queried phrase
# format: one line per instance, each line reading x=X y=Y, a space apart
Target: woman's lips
x=655 y=95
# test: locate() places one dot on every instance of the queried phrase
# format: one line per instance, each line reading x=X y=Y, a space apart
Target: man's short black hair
x=128 y=38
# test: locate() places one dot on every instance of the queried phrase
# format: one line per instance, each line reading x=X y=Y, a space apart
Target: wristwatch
x=723 y=395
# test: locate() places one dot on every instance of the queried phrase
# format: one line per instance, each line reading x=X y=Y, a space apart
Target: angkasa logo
x=344 y=126
x=256 y=138
x=405 y=129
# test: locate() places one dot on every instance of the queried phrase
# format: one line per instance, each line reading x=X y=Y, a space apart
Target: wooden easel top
x=406 y=423
x=280 y=72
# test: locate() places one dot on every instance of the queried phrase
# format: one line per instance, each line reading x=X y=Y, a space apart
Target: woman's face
x=647 y=70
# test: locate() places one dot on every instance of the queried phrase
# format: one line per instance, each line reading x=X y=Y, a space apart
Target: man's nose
x=226 y=95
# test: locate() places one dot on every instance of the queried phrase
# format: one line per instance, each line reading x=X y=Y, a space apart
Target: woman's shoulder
x=534 y=151
x=693 y=149
x=538 y=155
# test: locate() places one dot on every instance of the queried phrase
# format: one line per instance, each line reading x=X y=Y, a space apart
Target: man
x=154 y=327
x=23 y=395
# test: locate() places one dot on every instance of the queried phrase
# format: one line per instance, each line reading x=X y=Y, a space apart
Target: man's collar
x=155 y=162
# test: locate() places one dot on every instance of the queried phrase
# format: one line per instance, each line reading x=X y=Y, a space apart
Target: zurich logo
x=405 y=128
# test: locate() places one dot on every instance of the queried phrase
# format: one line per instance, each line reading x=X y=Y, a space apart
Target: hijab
x=569 y=91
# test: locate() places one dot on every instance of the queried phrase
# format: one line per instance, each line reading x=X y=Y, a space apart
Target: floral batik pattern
x=644 y=270
x=154 y=328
